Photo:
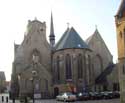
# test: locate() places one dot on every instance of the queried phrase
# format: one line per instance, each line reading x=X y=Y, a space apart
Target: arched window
x=68 y=67
x=80 y=67
x=90 y=68
x=35 y=56
x=98 y=65
x=46 y=84
x=58 y=68
x=89 y=60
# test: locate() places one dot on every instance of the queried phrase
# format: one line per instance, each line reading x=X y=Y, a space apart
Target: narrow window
x=46 y=84
x=124 y=31
x=123 y=69
x=58 y=68
x=89 y=60
x=80 y=68
x=68 y=67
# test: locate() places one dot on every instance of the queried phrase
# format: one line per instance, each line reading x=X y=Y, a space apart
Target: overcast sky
x=83 y=15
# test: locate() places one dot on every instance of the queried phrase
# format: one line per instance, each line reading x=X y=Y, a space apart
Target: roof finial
x=68 y=24
x=95 y=26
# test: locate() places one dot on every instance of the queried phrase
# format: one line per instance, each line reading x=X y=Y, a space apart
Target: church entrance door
x=56 y=91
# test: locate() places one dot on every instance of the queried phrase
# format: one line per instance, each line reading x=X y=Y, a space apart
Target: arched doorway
x=56 y=91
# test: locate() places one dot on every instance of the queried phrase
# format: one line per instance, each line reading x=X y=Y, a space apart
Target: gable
x=97 y=43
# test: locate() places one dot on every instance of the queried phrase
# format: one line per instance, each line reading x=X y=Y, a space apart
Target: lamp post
x=34 y=74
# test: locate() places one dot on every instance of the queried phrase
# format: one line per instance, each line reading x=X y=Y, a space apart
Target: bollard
x=13 y=100
x=7 y=99
x=2 y=98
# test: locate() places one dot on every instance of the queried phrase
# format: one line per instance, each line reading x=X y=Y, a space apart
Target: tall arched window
x=35 y=56
x=58 y=68
x=68 y=67
x=80 y=67
x=89 y=67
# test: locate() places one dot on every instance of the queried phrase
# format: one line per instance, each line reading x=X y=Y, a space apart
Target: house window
x=58 y=68
x=120 y=34
x=80 y=67
x=124 y=31
x=123 y=69
x=68 y=67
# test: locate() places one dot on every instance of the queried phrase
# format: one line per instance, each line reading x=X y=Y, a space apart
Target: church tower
x=120 y=28
x=52 y=35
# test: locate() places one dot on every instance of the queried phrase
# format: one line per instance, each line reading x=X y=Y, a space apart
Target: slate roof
x=121 y=8
x=2 y=75
x=102 y=78
x=71 y=39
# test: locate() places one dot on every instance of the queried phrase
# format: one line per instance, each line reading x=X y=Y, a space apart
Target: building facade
x=2 y=82
x=43 y=70
x=120 y=28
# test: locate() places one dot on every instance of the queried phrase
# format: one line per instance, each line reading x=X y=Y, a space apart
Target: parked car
x=92 y=95
x=116 y=94
x=83 y=96
x=107 y=95
x=98 y=95
x=67 y=96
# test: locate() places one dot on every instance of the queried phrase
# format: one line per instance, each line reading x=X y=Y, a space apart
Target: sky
x=83 y=15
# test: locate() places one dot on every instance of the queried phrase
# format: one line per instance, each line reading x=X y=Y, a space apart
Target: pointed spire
x=96 y=27
x=52 y=35
x=51 y=26
x=96 y=30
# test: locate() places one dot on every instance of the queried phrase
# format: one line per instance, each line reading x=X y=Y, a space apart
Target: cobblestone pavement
x=91 y=101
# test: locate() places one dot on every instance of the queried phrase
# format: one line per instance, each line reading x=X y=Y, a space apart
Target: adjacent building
x=2 y=82
x=120 y=28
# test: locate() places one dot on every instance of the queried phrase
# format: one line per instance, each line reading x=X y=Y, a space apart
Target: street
x=54 y=101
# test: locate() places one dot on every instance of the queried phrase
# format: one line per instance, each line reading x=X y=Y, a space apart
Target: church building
x=43 y=70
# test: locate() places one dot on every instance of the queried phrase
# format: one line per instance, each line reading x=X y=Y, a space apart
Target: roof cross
x=68 y=24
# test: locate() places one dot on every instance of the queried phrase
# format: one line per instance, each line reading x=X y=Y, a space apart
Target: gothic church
x=72 y=64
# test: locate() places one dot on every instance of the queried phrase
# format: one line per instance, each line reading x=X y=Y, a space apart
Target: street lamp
x=34 y=74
